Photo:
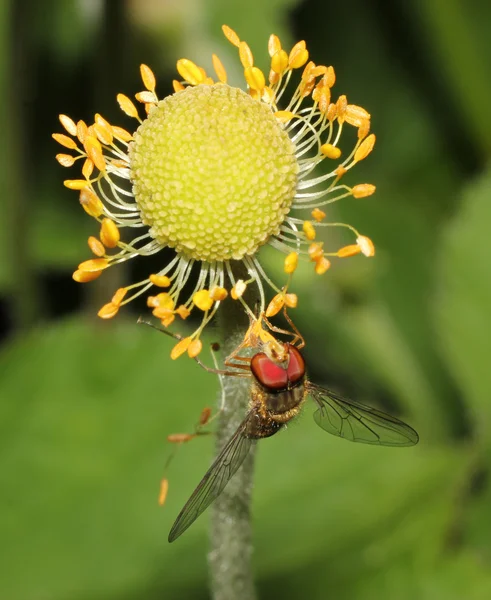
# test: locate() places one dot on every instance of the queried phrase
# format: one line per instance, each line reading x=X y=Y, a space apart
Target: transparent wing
x=215 y=479
x=358 y=423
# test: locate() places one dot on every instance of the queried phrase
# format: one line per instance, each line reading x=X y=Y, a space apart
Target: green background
x=86 y=405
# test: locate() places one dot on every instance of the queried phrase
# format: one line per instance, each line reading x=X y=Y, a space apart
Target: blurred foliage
x=86 y=405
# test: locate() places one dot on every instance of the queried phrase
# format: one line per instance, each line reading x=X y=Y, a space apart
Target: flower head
x=215 y=172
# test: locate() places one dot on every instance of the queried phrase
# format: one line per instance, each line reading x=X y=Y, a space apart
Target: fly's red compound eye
x=296 y=365
x=269 y=374
x=273 y=376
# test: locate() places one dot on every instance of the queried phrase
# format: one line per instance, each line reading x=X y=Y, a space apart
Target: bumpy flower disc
x=213 y=172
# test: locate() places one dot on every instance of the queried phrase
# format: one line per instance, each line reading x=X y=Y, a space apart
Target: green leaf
x=462 y=308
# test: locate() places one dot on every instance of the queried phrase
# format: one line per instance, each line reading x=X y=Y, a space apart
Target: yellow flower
x=215 y=172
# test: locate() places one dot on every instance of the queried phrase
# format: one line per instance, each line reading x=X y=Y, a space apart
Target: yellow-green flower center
x=213 y=172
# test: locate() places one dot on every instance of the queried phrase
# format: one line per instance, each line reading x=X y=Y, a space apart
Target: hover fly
x=279 y=389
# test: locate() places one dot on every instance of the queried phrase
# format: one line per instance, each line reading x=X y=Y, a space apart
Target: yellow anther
x=91 y=203
x=152 y=301
x=65 y=160
x=94 y=264
x=94 y=152
x=81 y=131
x=108 y=311
x=298 y=56
x=351 y=250
x=164 y=300
x=279 y=62
x=160 y=280
x=75 y=184
x=330 y=77
x=148 y=77
x=362 y=190
x=218 y=293
x=330 y=151
x=146 y=97
x=291 y=263
x=177 y=86
x=85 y=276
x=341 y=107
x=121 y=134
x=219 y=69
x=87 y=168
x=179 y=438
x=104 y=133
x=273 y=77
x=331 y=112
x=363 y=130
x=182 y=311
x=245 y=55
x=275 y=305
x=365 y=148
x=96 y=246
x=274 y=45
x=65 y=141
x=164 y=488
x=318 y=215
x=322 y=265
x=109 y=233
x=189 y=71
x=366 y=245
x=231 y=36
x=291 y=300
x=195 y=348
x=180 y=347
x=119 y=296
x=322 y=95
x=166 y=315
x=309 y=230
x=356 y=115
x=315 y=252
x=238 y=290
x=255 y=78
x=284 y=116
x=68 y=124
x=127 y=106
x=203 y=300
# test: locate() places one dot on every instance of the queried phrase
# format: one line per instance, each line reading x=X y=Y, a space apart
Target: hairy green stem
x=230 y=557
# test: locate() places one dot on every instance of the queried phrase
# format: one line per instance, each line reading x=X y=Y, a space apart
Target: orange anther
x=291 y=263
x=219 y=69
x=109 y=233
x=318 y=215
x=65 y=160
x=164 y=488
x=195 y=348
x=96 y=246
x=85 y=276
x=351 y=250
x=322 y=265
x=330 y=151
x=91 y=203
x=275 y=305
x=148 y=77
x=160 y=280
x=365 y=148
x=127 y=106
x=203 y=300
x=108 y=311
x=119 y=296
x=68 y=124
x=366 y=245
x=309 y=230
x=64 y=140
x=75 y=184
x=362 y=190
x=180 y=347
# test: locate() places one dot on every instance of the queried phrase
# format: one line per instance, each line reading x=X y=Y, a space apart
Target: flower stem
x=231 y=536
